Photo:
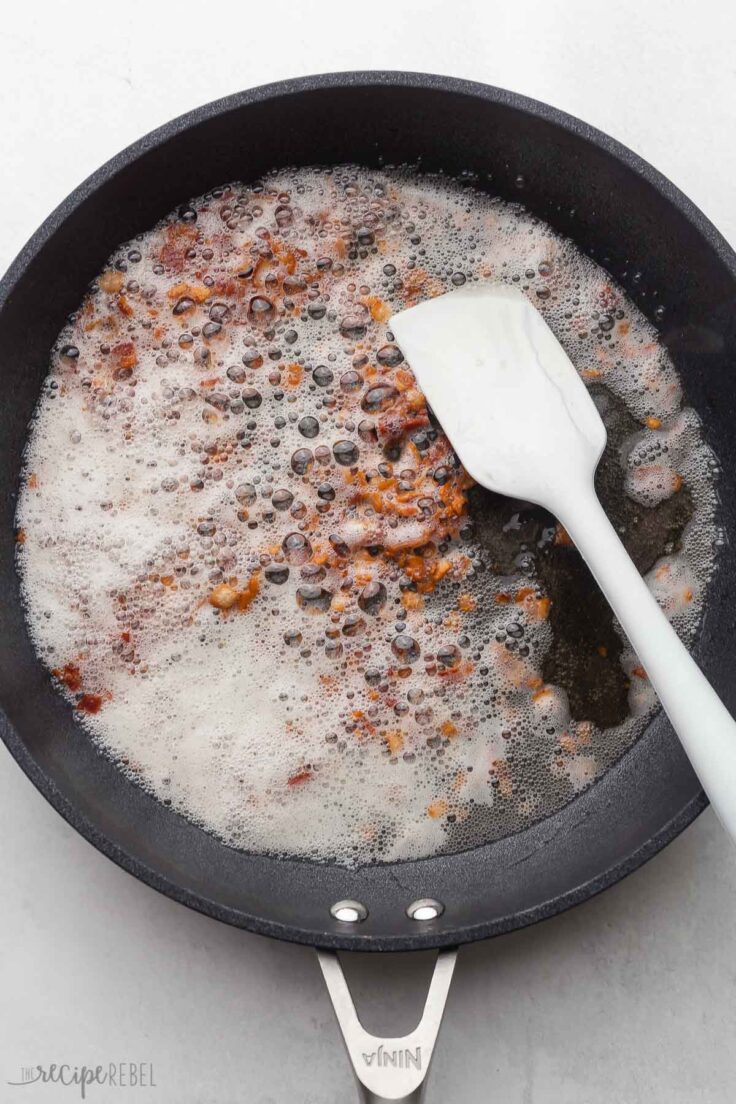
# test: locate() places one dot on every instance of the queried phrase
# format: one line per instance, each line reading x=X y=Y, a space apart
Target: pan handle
x=389 y=1071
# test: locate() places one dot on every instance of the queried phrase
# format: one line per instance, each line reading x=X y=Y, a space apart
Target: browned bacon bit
x=437 y=809
x=380 y=311
x=89 y=703
x=425 y=570
x=180 y=237
x=401 y=420
x=249 y=592
x=300 y=778
x=70 y=675
x=111 y=282
x=225 y=595
x=123 y=357
x=394 y=741
x=198 y=293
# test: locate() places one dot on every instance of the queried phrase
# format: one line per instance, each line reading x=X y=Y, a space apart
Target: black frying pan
x=658 y=246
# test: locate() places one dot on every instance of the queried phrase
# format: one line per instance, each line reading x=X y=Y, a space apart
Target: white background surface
x=631 y=998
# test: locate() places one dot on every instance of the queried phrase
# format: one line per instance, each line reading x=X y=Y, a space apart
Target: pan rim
x=398 y=79
x=353 y=940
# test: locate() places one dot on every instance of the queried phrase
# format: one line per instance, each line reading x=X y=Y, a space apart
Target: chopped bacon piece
x=179 y=240
x=90 y=703
x=380 y=311
x=70 y=675
x=437 y=809
x=299 y=778
x=111 y=282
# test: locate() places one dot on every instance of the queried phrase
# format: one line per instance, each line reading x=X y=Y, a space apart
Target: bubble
x=448 y=655
x=260 y=307
x=405 y=648
x=308 y=427
x=282 y=499
x=367 y=431
x=312 y=596
x=390 y=356
x=322 y=375
x=354 y=326
x=293 y=284
x=351 y=381
x=277 y=573
x=217 y=399
x=345 y=453
x=379 y=398
x=245 y=494
x=372 y=598
x=296 y=548
x=339 y=545
x=302 y=460
x=313 y=573
x=219 y=312
x=353 y=625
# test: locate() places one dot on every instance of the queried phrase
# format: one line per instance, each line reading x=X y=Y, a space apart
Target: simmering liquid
x=257 y=570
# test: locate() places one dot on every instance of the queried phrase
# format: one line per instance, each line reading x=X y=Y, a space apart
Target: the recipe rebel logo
x=113 y=1075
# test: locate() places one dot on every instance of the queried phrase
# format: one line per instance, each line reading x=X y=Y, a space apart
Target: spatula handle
x=706 y=729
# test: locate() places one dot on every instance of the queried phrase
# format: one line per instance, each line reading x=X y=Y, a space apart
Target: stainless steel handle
x=389 y=1071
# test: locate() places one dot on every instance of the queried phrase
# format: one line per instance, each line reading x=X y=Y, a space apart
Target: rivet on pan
x=425 y=909
x=349 y=912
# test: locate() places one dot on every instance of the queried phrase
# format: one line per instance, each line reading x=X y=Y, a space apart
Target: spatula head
x=507 y=395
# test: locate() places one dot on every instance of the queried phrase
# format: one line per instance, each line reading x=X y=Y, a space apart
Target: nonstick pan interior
x=656 y=245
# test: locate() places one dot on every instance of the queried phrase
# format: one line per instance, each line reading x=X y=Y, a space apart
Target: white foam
x=290 y=748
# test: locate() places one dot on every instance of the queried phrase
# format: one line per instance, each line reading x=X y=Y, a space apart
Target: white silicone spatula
x=523 y=424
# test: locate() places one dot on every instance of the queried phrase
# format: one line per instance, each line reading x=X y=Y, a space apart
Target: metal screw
x=349 y=912
x=425 y=909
